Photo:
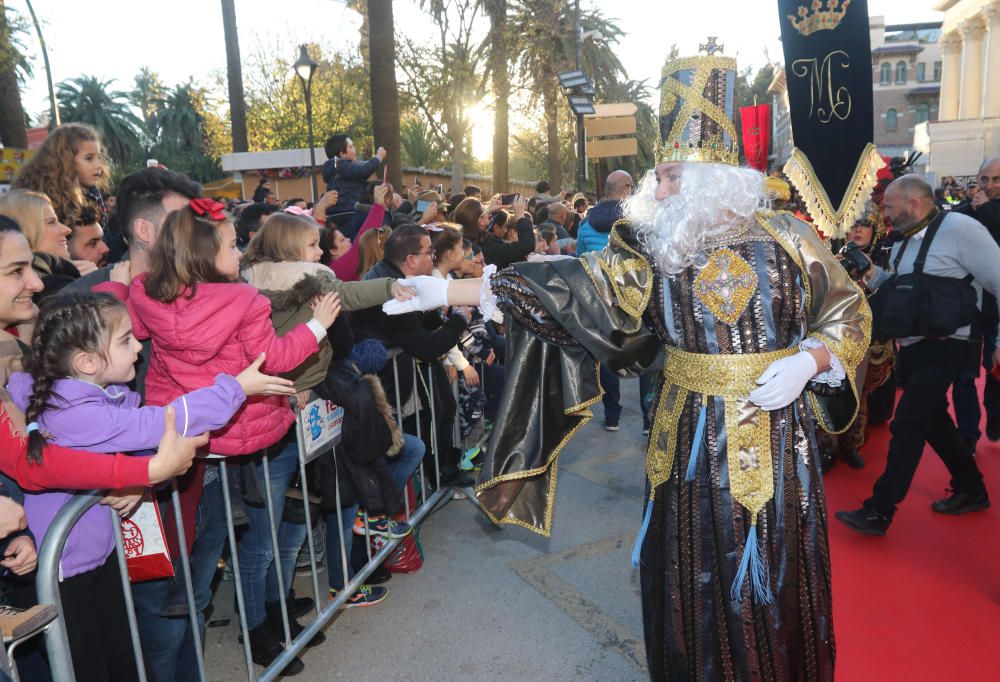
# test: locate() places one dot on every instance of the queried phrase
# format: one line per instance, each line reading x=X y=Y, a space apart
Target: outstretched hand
x=175 y=452
x=255 y=382
x=431 y=293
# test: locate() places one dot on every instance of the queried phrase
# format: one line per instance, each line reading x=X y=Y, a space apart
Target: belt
x=730 y=376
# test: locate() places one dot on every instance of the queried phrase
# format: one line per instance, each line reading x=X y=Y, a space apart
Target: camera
x=854 y=260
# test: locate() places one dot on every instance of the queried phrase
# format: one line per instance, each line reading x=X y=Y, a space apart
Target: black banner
x=828 y=67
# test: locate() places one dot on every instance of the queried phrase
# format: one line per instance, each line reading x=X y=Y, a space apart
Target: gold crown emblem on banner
x=819 y=17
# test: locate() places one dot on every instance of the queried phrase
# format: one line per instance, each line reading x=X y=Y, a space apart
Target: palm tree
x=86 y=99
x=421 y=148
x=179 y=118
x=547 y=47
x=384 y=93
x=147 y=91
x=234 y=73
x=12 y=66
x=500 y=75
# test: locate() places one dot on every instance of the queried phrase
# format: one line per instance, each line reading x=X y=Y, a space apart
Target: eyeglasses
x=471 y=256
x=429 y=252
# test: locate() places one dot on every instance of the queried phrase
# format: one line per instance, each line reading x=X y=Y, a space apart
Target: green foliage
x=421 y=149
x=185 y=124
x=87 y=99
x=14 y=53
x=276 y=112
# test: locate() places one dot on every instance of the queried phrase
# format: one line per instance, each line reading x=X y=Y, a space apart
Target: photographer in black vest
x=956 y=248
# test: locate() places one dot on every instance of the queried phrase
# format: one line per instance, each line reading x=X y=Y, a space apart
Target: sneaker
x=368 y=595
x=645 y=430
x=382 y=526
x=467 y=457
x=611 y=426
x=865 y=521
x=962 y=502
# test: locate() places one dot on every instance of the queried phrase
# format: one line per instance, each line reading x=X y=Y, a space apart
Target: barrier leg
x=300 y=438
x=133 y=626
x=233 y=552
x=268 y=498
x=199 y=653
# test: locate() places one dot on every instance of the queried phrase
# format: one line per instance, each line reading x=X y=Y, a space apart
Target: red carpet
x=923 y=602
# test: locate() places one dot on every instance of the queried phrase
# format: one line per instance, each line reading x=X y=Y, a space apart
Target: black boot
x=865 y=521
x=854 y=460
x=273 y=611
x=298 y=606
x=265 y=646
x=963 y=502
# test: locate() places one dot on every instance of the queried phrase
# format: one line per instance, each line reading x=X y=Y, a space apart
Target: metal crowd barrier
x=314 y=439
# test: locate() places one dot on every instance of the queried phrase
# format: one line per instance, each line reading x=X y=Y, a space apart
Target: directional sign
x=626 y=146
x=602 y=127
x=614 y=109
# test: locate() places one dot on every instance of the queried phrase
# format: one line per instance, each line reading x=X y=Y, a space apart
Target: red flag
x=756 y=122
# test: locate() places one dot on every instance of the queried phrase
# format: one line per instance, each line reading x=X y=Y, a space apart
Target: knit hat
x=369 y=356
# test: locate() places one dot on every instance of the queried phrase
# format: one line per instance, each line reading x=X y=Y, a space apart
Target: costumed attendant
x=761 y=335
x=866 y=236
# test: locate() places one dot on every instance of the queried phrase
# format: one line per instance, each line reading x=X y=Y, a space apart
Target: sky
x=183 y=38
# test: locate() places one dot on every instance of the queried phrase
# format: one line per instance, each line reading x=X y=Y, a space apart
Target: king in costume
x=759 y=337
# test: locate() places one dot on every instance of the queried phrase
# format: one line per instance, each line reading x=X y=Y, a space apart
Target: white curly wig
x=714 y=198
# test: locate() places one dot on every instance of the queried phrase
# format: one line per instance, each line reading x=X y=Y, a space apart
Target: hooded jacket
x=596 y=227
x=291 y=285
x=222 y=328
x=110 y=420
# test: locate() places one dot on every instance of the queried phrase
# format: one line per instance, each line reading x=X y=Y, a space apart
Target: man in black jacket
x=424 y=336
x=984 y=206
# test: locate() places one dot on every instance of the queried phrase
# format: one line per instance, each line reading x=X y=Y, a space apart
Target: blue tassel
x=752 y=563
x=641 y=537
x=696 y=445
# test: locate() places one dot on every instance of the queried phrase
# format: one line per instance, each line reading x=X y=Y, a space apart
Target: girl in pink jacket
x=202 y=321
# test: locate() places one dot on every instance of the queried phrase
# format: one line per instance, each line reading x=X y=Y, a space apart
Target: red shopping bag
x=146 y=553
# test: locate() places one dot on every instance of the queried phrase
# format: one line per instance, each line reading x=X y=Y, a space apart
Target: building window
x=900 y=72
x=937 y=71
x=885 y=74
x=890 y=119
x=923 y=113
x=921 y=72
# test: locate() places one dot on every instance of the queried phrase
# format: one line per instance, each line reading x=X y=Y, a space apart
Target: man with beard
x=926 y=366
x=760 y=334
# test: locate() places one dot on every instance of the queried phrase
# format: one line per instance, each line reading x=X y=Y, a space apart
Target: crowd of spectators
x=138 y=317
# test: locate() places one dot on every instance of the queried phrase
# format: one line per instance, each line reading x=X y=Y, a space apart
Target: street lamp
x=305 y=67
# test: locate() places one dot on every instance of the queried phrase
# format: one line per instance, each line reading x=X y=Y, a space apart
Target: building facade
x=906 y=81
x=968 y=129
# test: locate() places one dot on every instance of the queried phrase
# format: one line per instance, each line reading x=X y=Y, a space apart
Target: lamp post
x=54 y=122
x=305 y=67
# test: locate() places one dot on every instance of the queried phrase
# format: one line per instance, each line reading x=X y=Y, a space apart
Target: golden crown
x=819 y=18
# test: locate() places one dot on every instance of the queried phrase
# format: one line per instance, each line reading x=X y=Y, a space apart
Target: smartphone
x=508 y=199
x=422 y=205
x=440 y=189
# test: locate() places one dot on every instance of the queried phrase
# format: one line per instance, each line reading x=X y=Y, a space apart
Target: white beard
x=714 y=199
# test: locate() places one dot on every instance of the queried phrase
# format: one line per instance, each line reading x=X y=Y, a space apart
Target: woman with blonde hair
x=70 y=168
x=47 y=237
x=371 y=248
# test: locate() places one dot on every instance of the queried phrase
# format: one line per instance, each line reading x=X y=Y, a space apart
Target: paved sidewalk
x=502 y=604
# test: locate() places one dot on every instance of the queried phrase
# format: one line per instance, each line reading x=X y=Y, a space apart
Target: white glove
x=783 y=381
x=431 y=293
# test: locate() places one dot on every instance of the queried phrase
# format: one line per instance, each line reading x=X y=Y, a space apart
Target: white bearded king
x=757 y=335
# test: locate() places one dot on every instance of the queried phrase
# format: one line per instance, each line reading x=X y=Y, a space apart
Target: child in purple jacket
x=83 y=354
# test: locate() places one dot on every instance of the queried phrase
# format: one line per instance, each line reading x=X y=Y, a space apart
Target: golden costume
x=733 y=556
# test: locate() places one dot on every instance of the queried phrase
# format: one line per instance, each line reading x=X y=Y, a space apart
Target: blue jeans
x=647 y=392
x=256 y=551
x=401 y=467
x=612 y=397
x=167 y=642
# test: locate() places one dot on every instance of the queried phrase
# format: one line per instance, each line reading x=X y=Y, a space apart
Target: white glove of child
x=431 y=293
x=783 y=381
